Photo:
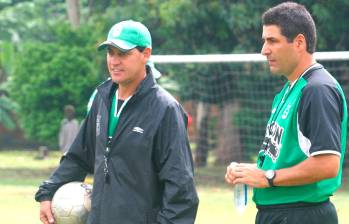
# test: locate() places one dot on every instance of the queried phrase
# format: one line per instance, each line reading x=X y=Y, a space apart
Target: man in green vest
x=300 y=162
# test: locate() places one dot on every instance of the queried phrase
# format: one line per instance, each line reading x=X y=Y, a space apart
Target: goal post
x=238 y=58
x=229 y=96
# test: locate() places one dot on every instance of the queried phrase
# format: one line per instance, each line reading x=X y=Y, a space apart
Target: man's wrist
x=44 y=198
x=270 y=176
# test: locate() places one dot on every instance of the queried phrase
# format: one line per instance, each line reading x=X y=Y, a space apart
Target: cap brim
x=120 y=44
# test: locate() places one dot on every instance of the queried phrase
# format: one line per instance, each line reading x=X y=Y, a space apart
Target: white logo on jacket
x=138 y=129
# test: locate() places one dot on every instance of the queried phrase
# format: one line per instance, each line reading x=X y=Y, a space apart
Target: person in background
x=69 y=129
x=299 y=165
x=134 y=140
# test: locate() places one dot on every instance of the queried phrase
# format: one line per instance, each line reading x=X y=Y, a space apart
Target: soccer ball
x=71 y=203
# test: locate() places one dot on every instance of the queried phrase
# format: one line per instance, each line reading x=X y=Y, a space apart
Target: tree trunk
x=203 y=117
x=91 y=6
x=229 y=147
x=73 y=10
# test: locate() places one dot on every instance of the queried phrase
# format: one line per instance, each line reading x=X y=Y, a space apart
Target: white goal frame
x=237 y=58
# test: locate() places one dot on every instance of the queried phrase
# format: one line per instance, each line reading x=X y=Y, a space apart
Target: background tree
x=7 y=110
x=7 y=106
x=73 y=10
x=48 y=76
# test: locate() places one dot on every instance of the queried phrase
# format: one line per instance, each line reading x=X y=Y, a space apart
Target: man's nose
x=265 y=50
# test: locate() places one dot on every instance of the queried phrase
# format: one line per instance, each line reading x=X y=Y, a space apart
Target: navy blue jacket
x=150 y=166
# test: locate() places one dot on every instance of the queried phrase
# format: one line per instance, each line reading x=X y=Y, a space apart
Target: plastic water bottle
x=240 y=195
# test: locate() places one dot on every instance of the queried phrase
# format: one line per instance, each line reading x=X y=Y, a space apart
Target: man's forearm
x=313 y=169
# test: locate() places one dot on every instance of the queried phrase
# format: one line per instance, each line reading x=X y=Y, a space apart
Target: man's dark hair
x=140 y=49
x=292 y=19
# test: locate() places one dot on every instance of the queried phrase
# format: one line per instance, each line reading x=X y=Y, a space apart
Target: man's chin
x=274 y=71
x=116 y=78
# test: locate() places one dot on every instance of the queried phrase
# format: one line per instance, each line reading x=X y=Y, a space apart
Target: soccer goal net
x=228 y=99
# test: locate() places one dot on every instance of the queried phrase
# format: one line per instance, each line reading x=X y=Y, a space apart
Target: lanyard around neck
x=116 y=112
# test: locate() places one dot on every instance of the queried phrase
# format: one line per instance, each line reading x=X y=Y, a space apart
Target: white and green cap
x=127 y=35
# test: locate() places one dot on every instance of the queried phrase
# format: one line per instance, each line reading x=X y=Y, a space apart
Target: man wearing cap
x=134 y=140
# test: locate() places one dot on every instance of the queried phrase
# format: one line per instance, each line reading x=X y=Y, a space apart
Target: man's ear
x=300 y=42
x=147 y=53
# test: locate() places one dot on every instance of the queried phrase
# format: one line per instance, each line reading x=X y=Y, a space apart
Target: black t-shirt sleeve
x=319 y=117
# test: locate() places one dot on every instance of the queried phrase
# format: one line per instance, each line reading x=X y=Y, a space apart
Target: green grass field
x=21 y=173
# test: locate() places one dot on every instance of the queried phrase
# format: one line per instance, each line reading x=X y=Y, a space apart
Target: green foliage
x=7 y=108
x=7 y=52
x=48 y=76
x=29 y=20
x=332 y=26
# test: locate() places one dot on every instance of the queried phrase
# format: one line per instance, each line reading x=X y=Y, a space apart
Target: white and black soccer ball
x=71 y=203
